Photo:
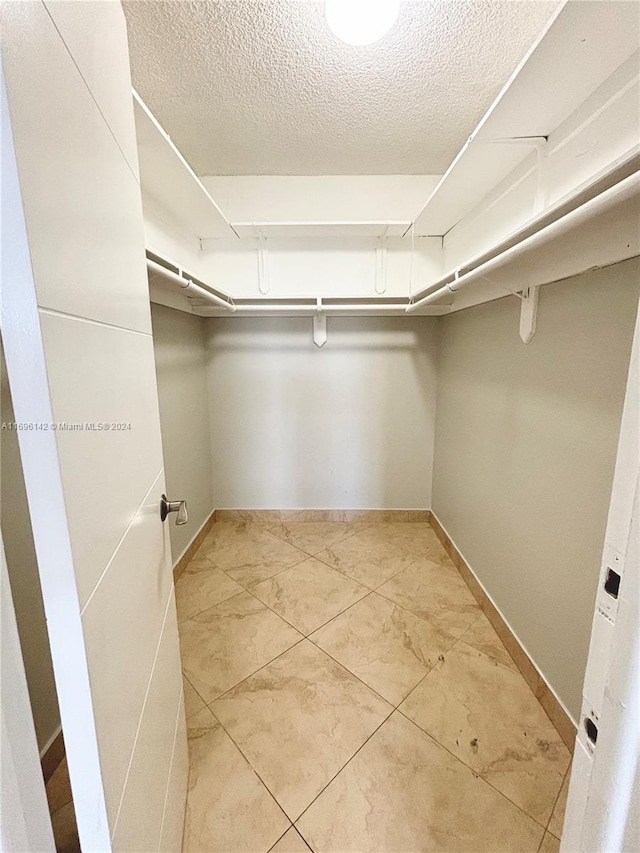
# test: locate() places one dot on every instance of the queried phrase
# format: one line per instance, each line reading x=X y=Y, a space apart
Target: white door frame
x=603 y=808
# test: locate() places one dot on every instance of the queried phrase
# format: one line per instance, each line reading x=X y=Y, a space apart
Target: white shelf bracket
x=319 y=326
x=264 y=279
x=381 y=267
x=528 y=313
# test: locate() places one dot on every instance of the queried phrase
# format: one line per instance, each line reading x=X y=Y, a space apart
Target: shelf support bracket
x=319 y=325
x=528 y=313
x=264 y=279
x=381 y=267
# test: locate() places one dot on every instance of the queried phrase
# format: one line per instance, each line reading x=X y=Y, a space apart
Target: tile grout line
x=337 y=542
x=336 y=616
x=457 y=757
x=251 y=767
x=308 y=636
x=394 y=707
x=555 y=803
x=335 y=776
x=475 y=772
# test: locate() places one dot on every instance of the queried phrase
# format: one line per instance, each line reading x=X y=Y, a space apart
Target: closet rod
x=187 y=285
x=349 y=308
x=616 y=194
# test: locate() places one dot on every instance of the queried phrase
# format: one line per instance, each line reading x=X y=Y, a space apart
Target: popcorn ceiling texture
x=250 y=87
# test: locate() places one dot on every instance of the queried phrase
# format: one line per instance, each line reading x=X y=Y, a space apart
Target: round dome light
x=361 y=22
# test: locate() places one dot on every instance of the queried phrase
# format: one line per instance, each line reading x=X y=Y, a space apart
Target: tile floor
x=344 y=692
x=63 y=819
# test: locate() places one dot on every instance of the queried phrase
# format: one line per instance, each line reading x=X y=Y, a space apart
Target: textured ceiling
x=259 y=88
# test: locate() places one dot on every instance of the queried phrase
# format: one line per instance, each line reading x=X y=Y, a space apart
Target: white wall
x=346 y=426
x=181 y=371
x=525 y=447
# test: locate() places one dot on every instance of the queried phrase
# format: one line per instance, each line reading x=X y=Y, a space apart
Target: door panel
x=94 y=42
x=141 y=816
x=76 y=327
x=82 y=200
x=122 y=624
x=100 y=374
x=173 y=819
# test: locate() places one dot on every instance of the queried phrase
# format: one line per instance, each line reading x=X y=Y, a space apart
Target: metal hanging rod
x=188 y=285
x=620 y=192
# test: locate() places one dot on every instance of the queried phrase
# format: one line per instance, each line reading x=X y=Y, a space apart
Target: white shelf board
x=321 y=229
x=167 y=179
x=583 y=44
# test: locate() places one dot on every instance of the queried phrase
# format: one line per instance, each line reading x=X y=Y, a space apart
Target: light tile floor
x=63 y=819
x=344 y=692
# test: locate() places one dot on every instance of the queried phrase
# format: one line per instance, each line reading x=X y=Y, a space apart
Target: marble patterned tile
x=222 y=533
x=193 y=702
x=65 y=830
x=248 y=552
x=312 y=536
x=289 y=515
x=557 y=816
x=309 y=594
x=418 y=539
x=226 y=643
x=377 y=516
x=59 y=787
x=229 y=810
x=403 y=792
x=550 y=844
x=202 y=585
x=250 y=516
x=298 y=721
x=486 y=715
x=366 y=558
x=482 y=636
x=291 y=842
x=436 y=593
x=386 y=646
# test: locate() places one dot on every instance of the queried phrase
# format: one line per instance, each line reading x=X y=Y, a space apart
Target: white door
x=77 y=334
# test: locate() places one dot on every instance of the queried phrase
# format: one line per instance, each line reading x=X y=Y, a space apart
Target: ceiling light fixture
x=361 y=22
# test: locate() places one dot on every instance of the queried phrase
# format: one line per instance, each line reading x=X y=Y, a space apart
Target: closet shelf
x=167 y=181
x=352 y=228
x=583 y=44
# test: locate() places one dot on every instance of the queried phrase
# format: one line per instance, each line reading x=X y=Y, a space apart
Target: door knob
x=167 y=506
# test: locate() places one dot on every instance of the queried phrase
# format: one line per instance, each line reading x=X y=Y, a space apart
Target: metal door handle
x=167 y=506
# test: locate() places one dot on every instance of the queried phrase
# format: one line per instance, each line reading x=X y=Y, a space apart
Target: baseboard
x=552 y=706
x=52 y=755
x=193 y=546
x=284 y=516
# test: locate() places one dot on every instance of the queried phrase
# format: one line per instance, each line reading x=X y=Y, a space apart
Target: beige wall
x=526 y=439
x=179 y=346
x=346 y=426
x=24 y=578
